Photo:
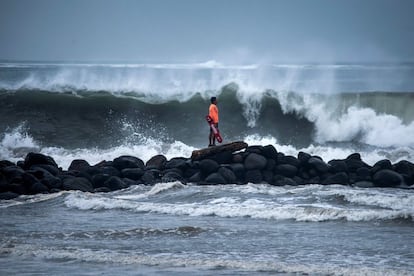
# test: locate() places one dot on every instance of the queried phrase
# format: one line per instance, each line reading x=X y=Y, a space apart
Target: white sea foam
x=353 y=124
x=199 y=261
x=150 y=82
x=327 y=152
x=17 y=143
x=384 y=198
x=287 y=206
x=155 y=190
x=30 y=199
x=165 y=82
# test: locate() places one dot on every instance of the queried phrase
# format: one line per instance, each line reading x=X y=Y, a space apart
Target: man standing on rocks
x=213 y=113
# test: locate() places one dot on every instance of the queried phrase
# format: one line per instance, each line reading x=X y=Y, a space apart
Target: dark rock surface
x=255 y=161
x=77 y=183
x=39 y=173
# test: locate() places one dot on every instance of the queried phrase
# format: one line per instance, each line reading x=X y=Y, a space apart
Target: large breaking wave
x=119 y=106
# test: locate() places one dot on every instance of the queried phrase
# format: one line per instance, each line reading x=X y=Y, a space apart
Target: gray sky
x=228 y=31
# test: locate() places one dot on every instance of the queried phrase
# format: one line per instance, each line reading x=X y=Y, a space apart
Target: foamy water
x=176 y=229
x=311 y=203
x=98 y=112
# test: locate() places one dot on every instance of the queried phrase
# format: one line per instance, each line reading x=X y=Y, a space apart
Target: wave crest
x=314 y=203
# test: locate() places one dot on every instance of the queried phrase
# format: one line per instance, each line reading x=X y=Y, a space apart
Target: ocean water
x=101 y=111
x=174 y=229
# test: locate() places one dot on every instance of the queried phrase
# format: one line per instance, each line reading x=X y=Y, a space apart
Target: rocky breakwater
x=234 y=163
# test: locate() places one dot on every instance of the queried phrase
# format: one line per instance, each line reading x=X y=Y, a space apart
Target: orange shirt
x=213 y=113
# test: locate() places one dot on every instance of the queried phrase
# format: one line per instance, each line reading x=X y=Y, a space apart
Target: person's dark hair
x=213 y=99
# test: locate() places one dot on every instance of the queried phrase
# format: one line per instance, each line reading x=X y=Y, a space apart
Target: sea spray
x=98 y=112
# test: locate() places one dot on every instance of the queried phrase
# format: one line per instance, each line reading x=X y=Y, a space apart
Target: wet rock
x=299 y=180
x=178 y=162
x=110 y=170
x=363 y=174
x=129 y=182
x=318 y=164
x=78 y=165
x=8 y=195
x=45 y=177
x=126 y=161
x=52 y=182
x=257 y=164
x=91 y=171
x=98 y=180
x=268 y=176
x=255 y=149
x=195 y=178
x=18 y=188
x=338 y=178
x=238 y=158
x=133 y=173
x=175 y=170
x=303 y=158
x=148 y=177
x=303 y=173
x=6 y=163
x=228 y=175
x=3 y=183
x=313 y=172
x=115 y=183
x=337 y=166
x=103 y=163
x=284 y=181
x=286 y=170
x=255 y=161
x=77 y=183
x=314 y=180
x=224 y=157
x=384 y=164
x=208 y=166
x=364 y=184
x=84 y=175
x=33 y=158
x=157 y=174
x=20 y=164
x=51 y=169
x=28 y=180
x=387 y=178
x=271 y=164
x=102 y=190
x=215 y=178
x=353 y=164
x=352 y=177
x=289 y=160
x=156 y=162
x=12 y=173
x=253 y=176
x=238 y=170
x=172 y=176
x=68 y=174
x=38 y=188
x=404 y=167
x=270 y=152
x=190 y=172
x=354 y=156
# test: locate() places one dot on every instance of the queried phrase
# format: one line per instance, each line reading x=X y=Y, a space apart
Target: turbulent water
x=94 y=111
x=102 y=111
x=175 y=229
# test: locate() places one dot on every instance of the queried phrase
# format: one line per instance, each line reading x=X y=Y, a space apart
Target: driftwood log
x=206 y=152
